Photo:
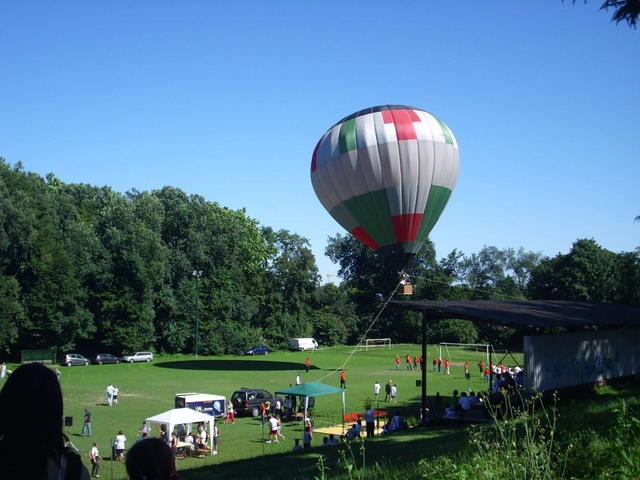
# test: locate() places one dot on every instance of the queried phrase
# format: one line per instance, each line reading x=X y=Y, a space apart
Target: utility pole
x=197 y=274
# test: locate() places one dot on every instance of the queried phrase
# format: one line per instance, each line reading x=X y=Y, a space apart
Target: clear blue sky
x=228 y=100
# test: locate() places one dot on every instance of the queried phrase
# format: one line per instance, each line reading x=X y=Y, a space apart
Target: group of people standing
x=438 y=365
x=412 y=363
x=390 y=390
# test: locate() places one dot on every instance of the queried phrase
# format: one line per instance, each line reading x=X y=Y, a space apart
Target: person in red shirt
x=307 y=364
x=343 y=379
x=487 y=375
x=263 y=411
x=439 y=365
x=408 y=360
x=397 y=362
x=446 y=367
x=466 y=367
x=435 y=363
x=481 y=367
x=415 y=363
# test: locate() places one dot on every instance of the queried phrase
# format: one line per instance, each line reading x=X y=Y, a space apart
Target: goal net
x=376 y=343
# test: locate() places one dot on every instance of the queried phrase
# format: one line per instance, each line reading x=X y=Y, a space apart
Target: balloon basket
x=406 y=289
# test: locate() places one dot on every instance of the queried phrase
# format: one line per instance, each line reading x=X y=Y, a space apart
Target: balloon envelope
x=386 y=174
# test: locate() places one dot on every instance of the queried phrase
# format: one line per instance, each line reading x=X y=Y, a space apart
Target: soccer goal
x=376 y=343
x=462 y=352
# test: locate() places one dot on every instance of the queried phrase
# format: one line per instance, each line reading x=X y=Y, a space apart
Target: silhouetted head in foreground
x=151 y=459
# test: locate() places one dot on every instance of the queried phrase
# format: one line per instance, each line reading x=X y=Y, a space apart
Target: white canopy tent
x=186 y=416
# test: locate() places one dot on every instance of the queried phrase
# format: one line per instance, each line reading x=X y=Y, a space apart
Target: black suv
x=249 y=400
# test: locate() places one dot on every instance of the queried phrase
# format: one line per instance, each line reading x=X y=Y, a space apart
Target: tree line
x=88 y=269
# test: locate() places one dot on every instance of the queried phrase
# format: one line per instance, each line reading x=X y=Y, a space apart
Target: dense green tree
x=291 y=284
x=628 y=286
x=333 y=317
x=452 y=331
x=587 y=272
x=11 y=312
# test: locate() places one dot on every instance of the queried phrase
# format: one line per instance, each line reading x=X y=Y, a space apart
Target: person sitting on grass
x=386 y=428
x=297 y=445
x=449 y=411
x=463 y=404
x=397 y=423
x=352 y=433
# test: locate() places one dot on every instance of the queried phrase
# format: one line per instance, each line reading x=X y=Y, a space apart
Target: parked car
x=138 y=357
x=101 y=358
x=74 y=359
x=259 y=350
x=247 y=401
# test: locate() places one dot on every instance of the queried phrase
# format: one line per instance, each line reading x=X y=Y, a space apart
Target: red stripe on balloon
x=406 y=226
x=403 y=121
x=364 y=237
x=315 y=154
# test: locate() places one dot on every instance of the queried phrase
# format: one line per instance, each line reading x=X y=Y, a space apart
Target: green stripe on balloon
x=448 y=138
x=347 y=139
x=438 y=199
x=371 y=210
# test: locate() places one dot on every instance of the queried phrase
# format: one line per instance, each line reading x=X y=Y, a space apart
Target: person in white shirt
x=273 y=429
x=203 y=439
x=230 y=413
x=95 y=457
x=119 y=444
x=110 y=391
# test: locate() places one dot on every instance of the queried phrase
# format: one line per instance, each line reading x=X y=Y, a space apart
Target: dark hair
x=32 y=392
x=152 y=459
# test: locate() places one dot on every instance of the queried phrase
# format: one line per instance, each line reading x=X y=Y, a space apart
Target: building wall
x=569 y=359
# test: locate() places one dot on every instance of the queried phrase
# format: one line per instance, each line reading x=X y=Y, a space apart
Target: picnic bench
x=201 y=452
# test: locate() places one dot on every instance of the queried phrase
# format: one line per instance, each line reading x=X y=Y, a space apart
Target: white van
x=302 y=344
x=214 y=405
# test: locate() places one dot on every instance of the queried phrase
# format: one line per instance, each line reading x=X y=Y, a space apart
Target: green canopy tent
x=313 y=389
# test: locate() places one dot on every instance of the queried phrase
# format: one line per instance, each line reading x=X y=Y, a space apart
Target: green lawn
x=147 y=389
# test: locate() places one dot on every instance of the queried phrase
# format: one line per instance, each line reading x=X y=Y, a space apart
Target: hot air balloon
x=385 y=174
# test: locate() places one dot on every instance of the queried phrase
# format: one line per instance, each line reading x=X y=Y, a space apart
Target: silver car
x=74 y=359
x=138 y=357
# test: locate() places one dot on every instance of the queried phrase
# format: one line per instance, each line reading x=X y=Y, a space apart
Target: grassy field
x=147 y=389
